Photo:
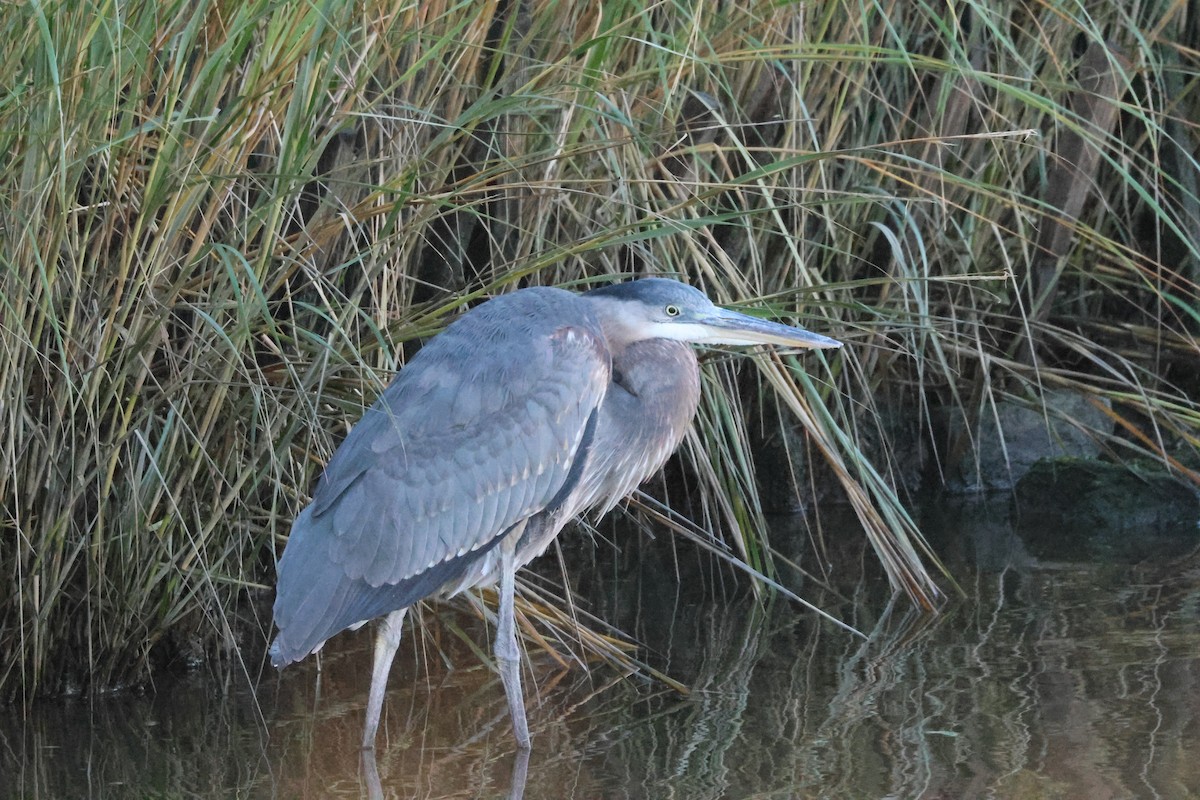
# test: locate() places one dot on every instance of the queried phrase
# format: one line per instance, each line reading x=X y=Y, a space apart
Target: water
x=1053 y=678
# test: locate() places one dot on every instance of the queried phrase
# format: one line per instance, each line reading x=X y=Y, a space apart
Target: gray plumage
x=523 y=413
x=455 y=452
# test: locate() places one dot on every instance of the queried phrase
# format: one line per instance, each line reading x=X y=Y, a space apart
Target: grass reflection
x=1061 y=678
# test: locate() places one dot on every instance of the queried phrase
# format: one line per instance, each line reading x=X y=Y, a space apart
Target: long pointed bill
x=723 y=326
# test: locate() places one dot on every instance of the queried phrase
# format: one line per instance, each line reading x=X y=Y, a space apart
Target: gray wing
x=476 y=434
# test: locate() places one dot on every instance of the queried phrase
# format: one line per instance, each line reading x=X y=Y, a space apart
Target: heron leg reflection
x=520 y=771
x=370 y=770
x=508 y=656
x=387 y=639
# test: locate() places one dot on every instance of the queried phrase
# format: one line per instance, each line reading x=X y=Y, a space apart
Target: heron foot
x=508 y=655
x=387 y=640
x=510 y=674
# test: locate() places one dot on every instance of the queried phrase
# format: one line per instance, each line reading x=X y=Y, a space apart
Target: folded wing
x=475 y=435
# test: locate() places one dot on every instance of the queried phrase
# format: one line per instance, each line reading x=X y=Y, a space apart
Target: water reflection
x=1056 y=678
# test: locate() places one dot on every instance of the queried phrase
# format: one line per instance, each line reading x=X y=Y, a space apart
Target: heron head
x=659 y=308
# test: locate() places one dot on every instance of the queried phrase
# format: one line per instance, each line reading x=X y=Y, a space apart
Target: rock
x=1070 y=509
x=1009 y=441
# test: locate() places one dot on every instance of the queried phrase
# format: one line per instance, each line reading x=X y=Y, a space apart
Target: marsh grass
x=224 y=224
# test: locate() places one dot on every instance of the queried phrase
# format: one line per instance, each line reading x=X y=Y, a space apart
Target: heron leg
x=508 y=656
x=387 y=639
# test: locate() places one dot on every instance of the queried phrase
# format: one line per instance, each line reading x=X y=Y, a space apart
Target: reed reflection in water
x=1054 y=678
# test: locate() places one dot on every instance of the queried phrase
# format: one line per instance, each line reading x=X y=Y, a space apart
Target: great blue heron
x=525 y=412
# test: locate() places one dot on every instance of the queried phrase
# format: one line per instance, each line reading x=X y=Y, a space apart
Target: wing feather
x=475 y=435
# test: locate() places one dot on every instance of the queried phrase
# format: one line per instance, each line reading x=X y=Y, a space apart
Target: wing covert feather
x=476 y=434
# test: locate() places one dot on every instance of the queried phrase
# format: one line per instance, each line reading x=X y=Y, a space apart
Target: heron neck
x=645 y=414
x=621 y=328
x=647 y=365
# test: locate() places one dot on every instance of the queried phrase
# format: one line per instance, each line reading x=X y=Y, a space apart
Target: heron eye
x=673 y=311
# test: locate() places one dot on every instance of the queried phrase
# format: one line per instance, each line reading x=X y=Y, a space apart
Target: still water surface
x=1068 y=671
